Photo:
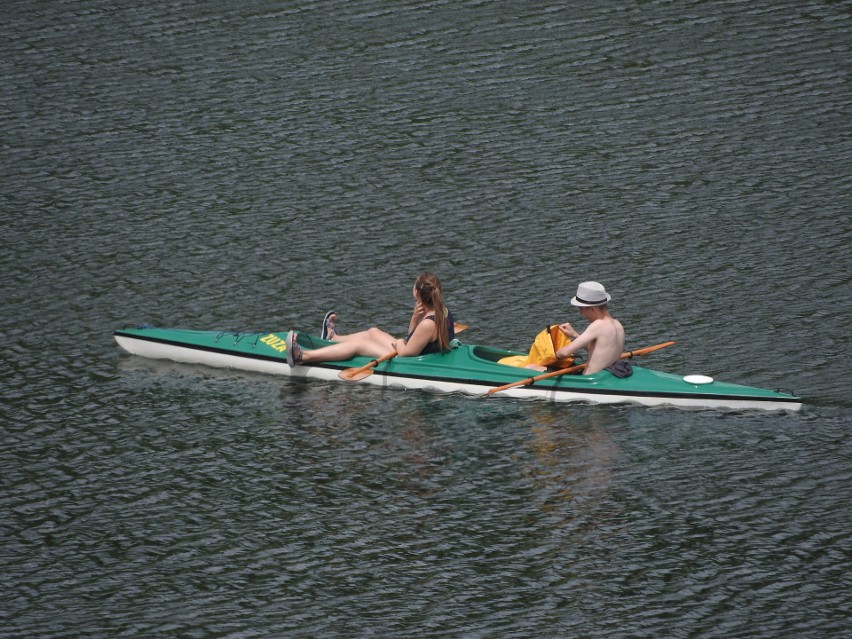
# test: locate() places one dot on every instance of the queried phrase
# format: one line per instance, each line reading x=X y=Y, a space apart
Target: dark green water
x=251 y=165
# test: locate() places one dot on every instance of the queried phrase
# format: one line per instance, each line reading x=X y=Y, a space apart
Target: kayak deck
x=471 y=369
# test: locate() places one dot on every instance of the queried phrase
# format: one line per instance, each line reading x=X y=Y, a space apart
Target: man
x=604 y=337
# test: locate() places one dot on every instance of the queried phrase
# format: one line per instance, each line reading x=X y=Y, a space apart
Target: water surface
x=208 y=165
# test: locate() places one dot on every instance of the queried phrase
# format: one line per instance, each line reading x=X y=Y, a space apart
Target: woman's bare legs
x=373 y=342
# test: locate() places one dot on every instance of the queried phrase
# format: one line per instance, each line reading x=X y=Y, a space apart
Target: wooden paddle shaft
x=574 y=369
x=354 y=374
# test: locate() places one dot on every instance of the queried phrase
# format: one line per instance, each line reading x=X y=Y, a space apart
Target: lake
x=249 y=166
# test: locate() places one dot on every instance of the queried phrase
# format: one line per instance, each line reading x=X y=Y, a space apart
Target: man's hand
x=569 y=330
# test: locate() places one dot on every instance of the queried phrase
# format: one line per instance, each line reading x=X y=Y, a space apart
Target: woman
x=425 y=333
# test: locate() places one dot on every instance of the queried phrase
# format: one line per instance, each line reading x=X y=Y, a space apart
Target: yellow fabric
x=515 y=360
x=543 y=350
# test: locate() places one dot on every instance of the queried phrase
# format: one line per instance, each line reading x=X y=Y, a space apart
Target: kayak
x=466 y=368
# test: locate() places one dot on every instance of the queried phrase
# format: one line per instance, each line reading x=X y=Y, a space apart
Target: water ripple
x=246 y=167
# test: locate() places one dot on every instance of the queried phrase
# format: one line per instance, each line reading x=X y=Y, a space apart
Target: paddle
x=574 y=369
x=357 y=374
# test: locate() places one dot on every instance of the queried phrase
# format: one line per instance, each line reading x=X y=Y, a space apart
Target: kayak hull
x=468 y=369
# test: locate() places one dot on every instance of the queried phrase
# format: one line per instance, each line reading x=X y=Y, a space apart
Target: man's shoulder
x=603 y=320
x=594 y=326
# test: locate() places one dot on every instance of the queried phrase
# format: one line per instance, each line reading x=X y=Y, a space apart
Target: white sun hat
x=591 y=294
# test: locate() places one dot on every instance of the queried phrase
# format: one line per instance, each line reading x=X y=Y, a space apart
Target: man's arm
x=580 y=341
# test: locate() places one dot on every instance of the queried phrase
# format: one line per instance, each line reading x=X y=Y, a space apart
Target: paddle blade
x=355 y=374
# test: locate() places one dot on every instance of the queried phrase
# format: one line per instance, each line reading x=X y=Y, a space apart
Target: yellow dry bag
x=543 y=350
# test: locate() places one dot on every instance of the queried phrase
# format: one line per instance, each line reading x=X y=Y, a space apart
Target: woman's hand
x=418 y=312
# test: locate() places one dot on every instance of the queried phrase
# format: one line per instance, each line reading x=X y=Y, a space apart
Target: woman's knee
x=375 y=333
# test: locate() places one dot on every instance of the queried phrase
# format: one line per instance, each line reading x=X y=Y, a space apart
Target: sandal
x=294 y=351
x=329 y=325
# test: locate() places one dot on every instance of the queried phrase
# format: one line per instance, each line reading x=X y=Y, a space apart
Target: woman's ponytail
x=429 y=287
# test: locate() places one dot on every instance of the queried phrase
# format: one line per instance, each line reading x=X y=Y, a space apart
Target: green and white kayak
x=466 y=368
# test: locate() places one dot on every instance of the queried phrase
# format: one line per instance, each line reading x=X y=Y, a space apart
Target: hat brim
x=576 y=302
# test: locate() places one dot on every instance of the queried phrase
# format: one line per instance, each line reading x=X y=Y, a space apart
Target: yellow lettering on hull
x=275 y=342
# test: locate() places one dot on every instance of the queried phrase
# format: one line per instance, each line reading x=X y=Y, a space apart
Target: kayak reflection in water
x=425 y=333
